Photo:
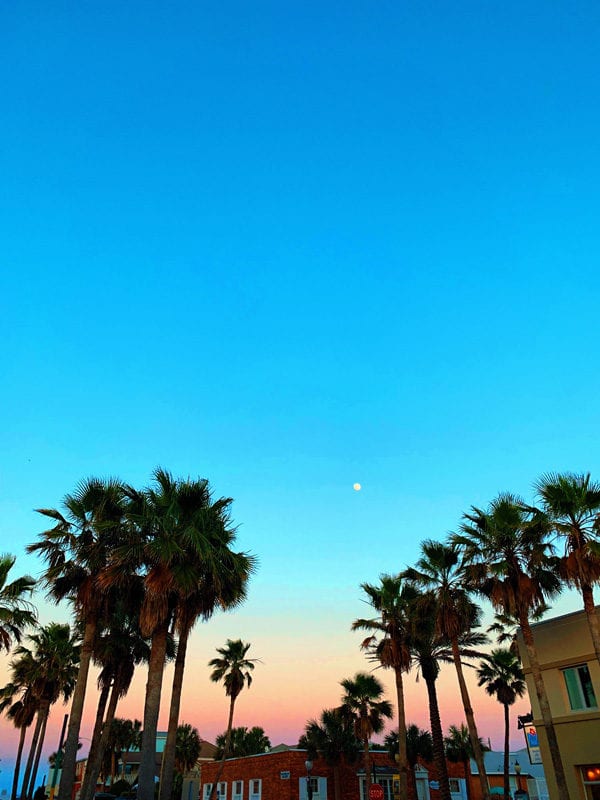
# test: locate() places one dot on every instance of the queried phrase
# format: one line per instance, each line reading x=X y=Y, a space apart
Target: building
x=522 y=775
x=281 y=774
x=571 y=675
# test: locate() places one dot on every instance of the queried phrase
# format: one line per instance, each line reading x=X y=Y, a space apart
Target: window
x=207 y=790
x=222 y=791
x=579 y=688
x=255 y=789
x=591 y=781
x=314 y=785
x=238 y=790
x=454 y=785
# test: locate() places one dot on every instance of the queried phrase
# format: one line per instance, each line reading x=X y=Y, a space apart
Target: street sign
x=376 y=792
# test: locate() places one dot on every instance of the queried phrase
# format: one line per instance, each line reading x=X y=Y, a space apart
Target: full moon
x=357 y=487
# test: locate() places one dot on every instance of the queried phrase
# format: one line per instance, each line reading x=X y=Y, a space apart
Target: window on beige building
x=591 y=781
x=579 y=688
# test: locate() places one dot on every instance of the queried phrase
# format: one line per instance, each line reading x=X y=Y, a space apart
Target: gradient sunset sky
x=288 y=247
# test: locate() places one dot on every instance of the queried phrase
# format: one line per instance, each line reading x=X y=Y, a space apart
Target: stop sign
x=376 y=792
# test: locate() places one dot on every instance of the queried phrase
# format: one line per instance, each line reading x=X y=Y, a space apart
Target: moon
x=357 y=487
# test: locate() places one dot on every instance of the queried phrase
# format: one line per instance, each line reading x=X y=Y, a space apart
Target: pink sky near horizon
x=298 y=675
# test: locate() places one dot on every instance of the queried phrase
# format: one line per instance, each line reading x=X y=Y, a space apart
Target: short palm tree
x=502 y=675
x=77 y=550
x=572 y=504
x=388 y=644
x=459 y=750
x=419 y=745
x=49 y=671
x=440 y=569
x=188 y=748
x=333 y=740
x=363 y=707
x=243 y=742
x=16 y=612
x=234 y=670
x=22 y=713
x=511 y=563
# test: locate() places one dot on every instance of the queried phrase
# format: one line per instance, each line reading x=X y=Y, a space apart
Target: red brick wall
x=268 y=767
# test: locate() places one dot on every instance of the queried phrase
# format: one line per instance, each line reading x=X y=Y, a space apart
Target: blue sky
x=293 y=246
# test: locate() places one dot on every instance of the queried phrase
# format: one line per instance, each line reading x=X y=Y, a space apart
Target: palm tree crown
x=16 y=612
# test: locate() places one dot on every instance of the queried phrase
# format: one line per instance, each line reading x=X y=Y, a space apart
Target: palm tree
x=22 y=713
x=459 y=750
x=220 y=581
x=510 y=563
x=391 y=599
x=123 y=734
x=419 y=745
x=572 y=504
x=188 y=748
x=235 y=670
x=505 y=627
x=440 y=569
x=49 y=671
x=364 y=709
x=503 y=677
x=243 y=742
x=77 y=550
x=16 y=612
x=333 y=740
x=118 y=650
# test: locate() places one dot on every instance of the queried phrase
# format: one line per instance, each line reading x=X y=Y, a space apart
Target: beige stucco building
x=571 y=676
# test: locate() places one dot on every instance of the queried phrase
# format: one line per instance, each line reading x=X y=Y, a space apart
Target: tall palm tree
x=333 y=740
x=572 y=504
x=235 y=671
x=16 y=612
x=363 y=707
x=49 y=670
x=389 y=644
x=220 y=583
x=440 y=569
x=77 y=550
x=503 y=677
x=511 y=563
x=419 y=745
x=22 y=713
x=459 y=750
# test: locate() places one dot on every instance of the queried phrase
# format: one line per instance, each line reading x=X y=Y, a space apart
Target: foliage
x=16 y=612
x=244 y=742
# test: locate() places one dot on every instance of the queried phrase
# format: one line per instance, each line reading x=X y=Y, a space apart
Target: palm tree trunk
x=506 y=751
x=168 y=759
x=402 y=750
x=93 y=768
x=225 y=749
x=67 y=779
x=592 y=617
x=540 y=690
x=439 y=755
x=467 y=769
x=15 y=783
x=413 y=780
x=367 y=760
x=473 y=734
x=95 y=743
x=31 y=756
x=337 y=787
x=156 y=667
x=45 y=709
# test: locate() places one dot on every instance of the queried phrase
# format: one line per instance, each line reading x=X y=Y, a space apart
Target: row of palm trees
x=427 y=614
x=138 y=568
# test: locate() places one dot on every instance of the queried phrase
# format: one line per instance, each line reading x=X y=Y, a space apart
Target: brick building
x=281 y=774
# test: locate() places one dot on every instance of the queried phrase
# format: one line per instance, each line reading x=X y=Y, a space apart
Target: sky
x=289 y=247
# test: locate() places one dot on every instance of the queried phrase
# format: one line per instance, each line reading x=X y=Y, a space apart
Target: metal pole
x=58 y=758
